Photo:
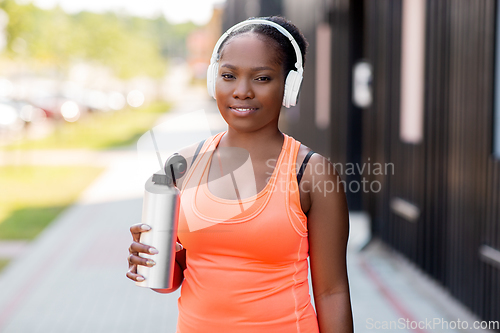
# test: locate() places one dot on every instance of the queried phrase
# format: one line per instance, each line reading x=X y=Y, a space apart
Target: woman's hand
x=136 y=247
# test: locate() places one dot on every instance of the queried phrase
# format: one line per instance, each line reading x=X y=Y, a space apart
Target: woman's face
x=250 y=83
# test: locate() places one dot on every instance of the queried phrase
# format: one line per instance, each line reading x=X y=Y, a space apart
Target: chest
x=238 y=176
x=234 y=175
x=268 y=238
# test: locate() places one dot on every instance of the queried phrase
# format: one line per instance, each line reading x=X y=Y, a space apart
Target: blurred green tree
x=130 y=46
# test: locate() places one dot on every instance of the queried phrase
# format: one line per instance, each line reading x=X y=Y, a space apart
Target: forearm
x=178 y=278
x=334 y=313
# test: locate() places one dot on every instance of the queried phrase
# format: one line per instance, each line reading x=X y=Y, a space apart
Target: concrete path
x=71 y=279
x=12 y=249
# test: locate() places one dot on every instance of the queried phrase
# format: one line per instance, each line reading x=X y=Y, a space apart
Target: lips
x=242 y=110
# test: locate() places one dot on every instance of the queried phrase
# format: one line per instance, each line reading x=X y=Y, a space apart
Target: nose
x=243 y=89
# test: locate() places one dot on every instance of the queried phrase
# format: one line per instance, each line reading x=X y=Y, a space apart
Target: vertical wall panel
x=377 y=120
x=470 y=113
x=491 y=231
x=435 y=130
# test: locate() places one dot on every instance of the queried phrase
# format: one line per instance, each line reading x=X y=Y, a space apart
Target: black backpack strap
x=303 y=166
x=197 y=151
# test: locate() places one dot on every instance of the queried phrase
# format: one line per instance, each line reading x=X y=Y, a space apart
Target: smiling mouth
x=242 y=111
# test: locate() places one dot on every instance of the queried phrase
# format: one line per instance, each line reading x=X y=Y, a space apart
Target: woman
x=243 y=267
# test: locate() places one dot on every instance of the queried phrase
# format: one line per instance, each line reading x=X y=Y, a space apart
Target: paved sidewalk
x=12 y=249
x=71 y=279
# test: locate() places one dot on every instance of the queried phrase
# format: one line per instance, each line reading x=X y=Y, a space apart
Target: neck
x=252 y=141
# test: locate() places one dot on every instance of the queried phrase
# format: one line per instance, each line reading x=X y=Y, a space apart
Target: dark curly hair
x=285 y=51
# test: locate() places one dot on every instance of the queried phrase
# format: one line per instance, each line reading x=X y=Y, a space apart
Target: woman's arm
x=328 y=225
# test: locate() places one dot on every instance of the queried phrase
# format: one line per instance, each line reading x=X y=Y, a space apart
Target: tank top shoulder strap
x=297 y=217
x=200 y=156
x=200 y=145
x=303 y=166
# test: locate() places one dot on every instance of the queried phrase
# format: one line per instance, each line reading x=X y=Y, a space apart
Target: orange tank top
x=246 y=259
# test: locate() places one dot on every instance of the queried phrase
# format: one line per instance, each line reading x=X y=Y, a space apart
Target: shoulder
x=320 y=179
x=318 y=165
x=189 y=152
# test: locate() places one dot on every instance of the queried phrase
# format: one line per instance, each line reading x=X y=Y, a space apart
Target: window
x=412 y=71
x=323 y=59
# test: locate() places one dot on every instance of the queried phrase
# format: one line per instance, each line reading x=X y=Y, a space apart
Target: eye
x=263 y=78
x=227 y=76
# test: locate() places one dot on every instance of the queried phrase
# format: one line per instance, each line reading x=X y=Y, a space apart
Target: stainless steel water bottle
x=160 y=210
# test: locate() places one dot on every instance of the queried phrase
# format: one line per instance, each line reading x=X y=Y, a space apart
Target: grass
x=32 y=196
x=3 y=263
x=100 y=130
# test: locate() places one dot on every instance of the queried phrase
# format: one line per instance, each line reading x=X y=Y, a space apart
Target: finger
x=135 y=277
x=136 y=260
x=178 y=247
x=136 y=247
x=137 y=229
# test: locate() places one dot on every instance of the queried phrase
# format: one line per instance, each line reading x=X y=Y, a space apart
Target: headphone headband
x=298 y=54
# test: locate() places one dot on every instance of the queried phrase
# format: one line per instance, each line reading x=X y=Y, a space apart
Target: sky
x=176 y=11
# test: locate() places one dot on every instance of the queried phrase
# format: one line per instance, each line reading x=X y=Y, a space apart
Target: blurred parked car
x=57 y=107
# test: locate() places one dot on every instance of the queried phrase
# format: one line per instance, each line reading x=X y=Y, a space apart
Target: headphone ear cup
x=292 y=87
x=296 y=88
x=211 y=77
x=287 y=89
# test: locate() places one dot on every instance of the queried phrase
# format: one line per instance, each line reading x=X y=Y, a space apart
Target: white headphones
x=293 y=79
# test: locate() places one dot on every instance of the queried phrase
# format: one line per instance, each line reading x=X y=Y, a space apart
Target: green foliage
x=131 y=46
x=27 y=222
x=3 y=263
x=32 y=196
